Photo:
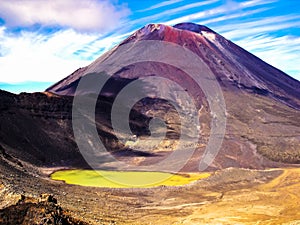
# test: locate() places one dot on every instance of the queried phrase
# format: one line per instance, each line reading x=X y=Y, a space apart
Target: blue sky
x=42 y=42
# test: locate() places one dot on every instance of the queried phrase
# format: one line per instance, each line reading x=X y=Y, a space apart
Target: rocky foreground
x=230 y=196
x=262 y=131
x=29 y=210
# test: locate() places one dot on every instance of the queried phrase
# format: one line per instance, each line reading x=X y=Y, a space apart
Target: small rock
x=47 y=198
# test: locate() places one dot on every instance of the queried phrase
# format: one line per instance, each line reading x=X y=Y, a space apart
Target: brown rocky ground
x=263 y=127
x=36 y=211
x=262 y=108
x=37 y=128
x=230 y=196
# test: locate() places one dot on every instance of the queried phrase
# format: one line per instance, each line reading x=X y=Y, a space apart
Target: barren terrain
x=254 y=178
x=229 y=196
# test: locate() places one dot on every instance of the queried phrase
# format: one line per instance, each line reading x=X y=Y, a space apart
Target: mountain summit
x=148 y=102
x=193 y=27
x=233 y=66
x=262 y=102
x=262 y=106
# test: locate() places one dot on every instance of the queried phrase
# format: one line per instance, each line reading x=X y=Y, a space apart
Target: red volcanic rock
x=262 y=107
x=262 y=102
x=234 y=67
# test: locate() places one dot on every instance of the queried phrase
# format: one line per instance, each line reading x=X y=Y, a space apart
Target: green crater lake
x=125 y=179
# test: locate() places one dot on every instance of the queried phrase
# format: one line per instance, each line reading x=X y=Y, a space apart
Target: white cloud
x=36 y=57
x=241 y=30
x=83 y=15
x=31 y=56
x=231 y=16
x=281 y=52
x=195 y=16
x=228 y=8
x=257 y=3
x=159 y=5
x=173 y=11
x=257 y=36
x=101 y=45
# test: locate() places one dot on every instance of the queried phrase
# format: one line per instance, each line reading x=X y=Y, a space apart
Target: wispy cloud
x=243 y=30
x=231 y=16
x=37 y=57
x=228 y=8
x=169 y=12
x=160 y=5
x=256 y=3
x=282 y=52
x=97 y=47
x=32 y=56
x=52 y=56
x=82 y=15
x=260 y=37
